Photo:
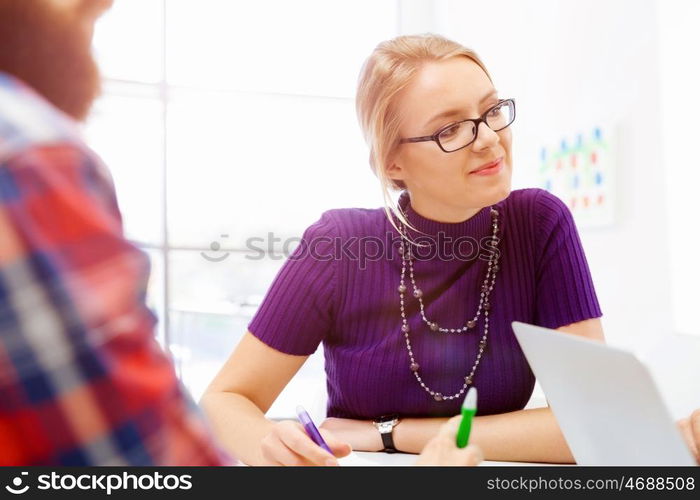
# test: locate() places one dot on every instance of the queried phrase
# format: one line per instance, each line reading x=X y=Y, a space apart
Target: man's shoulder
x=27 y=120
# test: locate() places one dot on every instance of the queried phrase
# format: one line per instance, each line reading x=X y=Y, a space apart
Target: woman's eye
x=451 y=130
x=495 y=111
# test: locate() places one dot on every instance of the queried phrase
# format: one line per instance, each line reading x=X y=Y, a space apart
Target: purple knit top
x=340 y=285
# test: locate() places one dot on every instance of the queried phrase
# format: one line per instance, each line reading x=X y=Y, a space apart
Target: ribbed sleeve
x=564 y=288
x=298 y=310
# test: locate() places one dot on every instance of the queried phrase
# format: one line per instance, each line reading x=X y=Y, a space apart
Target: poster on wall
x=579 y=169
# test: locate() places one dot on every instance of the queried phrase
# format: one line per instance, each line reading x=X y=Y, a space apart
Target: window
x=222 y=121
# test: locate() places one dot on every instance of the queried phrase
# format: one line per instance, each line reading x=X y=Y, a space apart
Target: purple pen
x=311 y=429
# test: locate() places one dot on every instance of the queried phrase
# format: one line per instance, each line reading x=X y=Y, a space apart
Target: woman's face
x=445 y=186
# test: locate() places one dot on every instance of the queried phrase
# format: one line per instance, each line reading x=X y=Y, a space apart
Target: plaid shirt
x=82 y=379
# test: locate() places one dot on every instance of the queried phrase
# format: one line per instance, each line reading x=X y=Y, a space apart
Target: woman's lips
x=489 y=168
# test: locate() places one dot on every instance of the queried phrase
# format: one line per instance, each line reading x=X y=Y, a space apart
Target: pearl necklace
x=484 y=305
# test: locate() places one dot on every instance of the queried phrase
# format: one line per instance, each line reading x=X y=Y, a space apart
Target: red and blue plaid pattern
x=82 y=379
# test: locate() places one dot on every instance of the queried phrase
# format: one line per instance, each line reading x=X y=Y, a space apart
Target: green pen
x=468 y=412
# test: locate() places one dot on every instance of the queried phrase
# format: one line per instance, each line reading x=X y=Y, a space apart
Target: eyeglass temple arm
x=419 y=139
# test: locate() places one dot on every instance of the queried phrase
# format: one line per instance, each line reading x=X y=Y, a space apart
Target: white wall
x=573 y=65
x=679 y=42
x=675 y=360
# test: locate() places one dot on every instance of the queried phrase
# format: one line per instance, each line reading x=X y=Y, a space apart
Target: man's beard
x=50 y=51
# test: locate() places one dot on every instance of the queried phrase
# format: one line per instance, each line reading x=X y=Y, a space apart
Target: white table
x=370 y=459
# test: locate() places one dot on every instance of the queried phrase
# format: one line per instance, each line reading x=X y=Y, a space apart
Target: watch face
x=385 y=424
x=384 y=427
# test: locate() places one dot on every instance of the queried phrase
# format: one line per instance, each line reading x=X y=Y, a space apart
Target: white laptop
x=605 y=400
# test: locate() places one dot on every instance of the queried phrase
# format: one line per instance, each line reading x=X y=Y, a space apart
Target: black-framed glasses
x=459 y=135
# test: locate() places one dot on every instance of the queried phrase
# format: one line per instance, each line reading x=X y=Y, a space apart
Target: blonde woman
x=412 y=320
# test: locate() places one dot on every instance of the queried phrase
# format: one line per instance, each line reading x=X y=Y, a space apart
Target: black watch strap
x=385 y=424
x=388 y=441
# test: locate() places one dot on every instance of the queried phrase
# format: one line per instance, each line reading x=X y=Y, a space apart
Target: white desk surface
x=370 y=459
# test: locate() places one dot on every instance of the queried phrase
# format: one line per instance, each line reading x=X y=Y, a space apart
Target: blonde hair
x=388 y=70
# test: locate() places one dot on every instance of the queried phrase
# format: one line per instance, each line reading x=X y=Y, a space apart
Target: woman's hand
x=289 y=444
x=360 y=434
x=690 y=429
x=442 y=449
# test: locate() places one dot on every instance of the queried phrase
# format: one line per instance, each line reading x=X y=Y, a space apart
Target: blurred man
x=82 y=379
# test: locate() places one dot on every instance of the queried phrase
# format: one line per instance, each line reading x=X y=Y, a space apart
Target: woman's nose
x=485 y=138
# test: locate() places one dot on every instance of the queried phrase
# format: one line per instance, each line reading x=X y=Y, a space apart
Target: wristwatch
x=385 y=425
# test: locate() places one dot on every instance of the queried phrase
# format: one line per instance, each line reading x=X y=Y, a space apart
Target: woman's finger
x=300 y=443
x=694 y=424
x=338 y=447
x=288 y=457
x=276 y=452
x=472 y=455
x=686 y=431
x=451 y=427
